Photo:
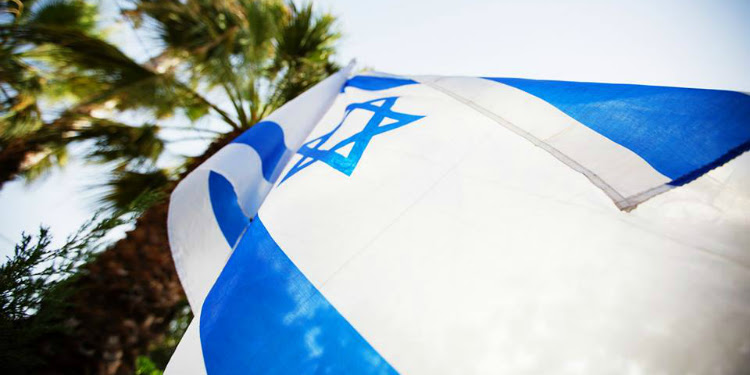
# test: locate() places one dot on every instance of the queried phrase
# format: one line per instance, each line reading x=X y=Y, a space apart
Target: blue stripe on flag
x=376 y=83
x=225 y=206
x=682 y=133
x=267 y=138
x=264 y=316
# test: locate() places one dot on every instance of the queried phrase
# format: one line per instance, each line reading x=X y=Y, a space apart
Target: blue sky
x=662 y=42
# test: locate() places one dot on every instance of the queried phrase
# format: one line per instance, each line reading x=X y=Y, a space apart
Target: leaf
x=129 y=191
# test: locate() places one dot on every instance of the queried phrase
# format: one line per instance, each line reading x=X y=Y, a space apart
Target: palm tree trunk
x=125 y=299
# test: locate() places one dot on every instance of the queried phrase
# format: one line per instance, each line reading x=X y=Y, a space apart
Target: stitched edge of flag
x=623 y=203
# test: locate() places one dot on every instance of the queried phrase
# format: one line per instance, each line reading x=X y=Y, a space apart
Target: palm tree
x=253 y=55
x=50 y=52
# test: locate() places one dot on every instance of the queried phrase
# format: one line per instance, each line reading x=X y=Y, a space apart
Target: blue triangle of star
x=381 y=112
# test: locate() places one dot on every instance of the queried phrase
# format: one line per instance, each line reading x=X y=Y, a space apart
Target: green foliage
x=114 y=141
x=23 y=79
x=131 y=190
x=71 y=14
x=144 y=366
x=21 y=85
x=51 y=53
x=62 y=83
x=259 y=54
x=35 y=269
x=34 y=284
x=304 y=53
x=105 y=73
x=44 y=160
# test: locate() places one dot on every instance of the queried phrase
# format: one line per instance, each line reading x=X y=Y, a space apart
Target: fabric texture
x=443 y=225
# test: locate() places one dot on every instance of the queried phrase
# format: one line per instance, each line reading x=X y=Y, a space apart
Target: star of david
x=381 y=112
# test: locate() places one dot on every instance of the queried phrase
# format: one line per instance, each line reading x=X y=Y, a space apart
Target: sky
x=689 y=43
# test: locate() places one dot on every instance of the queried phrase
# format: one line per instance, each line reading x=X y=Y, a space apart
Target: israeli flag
x=383 y=224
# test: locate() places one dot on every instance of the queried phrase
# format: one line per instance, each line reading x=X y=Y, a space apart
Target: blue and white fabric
x=383 y=224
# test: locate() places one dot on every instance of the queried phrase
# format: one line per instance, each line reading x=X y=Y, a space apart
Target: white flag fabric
x=383 y=224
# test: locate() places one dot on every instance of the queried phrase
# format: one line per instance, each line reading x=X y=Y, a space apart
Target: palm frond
x=126 y=189
x=117 y=142
x=303 y=56
x=71 y=14
x=38 y=164
x=305 y=38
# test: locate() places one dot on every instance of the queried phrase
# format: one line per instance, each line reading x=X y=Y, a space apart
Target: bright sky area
x=693 y=43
